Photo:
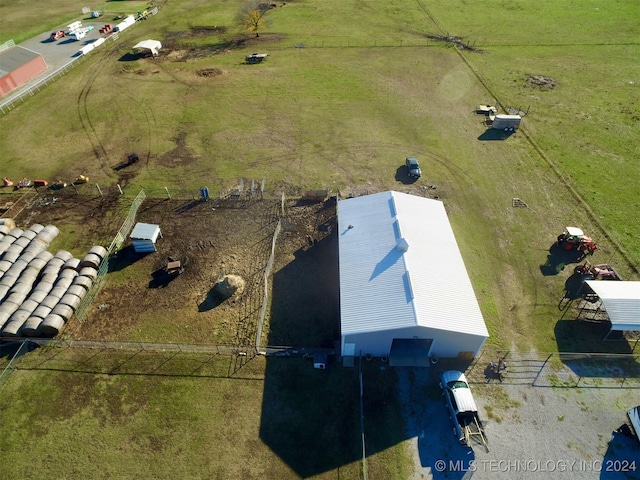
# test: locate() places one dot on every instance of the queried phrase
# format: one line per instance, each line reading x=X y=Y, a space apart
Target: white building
x=404 y=290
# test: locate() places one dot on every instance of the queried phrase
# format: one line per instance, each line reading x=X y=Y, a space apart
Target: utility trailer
x=508 y=123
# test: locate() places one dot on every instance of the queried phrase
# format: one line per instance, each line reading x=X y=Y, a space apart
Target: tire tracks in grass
x=84 y=114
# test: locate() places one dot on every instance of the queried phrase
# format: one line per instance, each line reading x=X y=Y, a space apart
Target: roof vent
x=402 y=245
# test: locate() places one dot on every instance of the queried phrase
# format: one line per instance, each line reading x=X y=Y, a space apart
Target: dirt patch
x=209 y=72
x=222 y=239
x=540 y=81
x=179 y=156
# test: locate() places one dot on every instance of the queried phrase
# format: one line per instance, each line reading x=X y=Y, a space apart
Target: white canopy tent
x=152 y=45
x=621 y=300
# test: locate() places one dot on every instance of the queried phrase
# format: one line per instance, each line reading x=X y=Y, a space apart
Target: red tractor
x=575 y=239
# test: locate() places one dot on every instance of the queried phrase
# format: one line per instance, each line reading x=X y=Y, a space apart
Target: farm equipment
x=574 y=239
x=597 y=272
x=255 y=58
x=508 y=123
x=7 y=182
x=82 y=179
x=58 y=34
x=24 y=183
x=576 y=285
x=132 y=158
x=40 y=183
x=108 y=28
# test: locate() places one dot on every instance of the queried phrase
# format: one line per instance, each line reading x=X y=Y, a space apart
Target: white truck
x=79 y=34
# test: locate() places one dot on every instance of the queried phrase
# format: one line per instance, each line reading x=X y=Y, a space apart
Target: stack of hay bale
x=40 y=291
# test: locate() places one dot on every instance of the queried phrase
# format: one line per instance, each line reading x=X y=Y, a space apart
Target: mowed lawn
x=348 y=90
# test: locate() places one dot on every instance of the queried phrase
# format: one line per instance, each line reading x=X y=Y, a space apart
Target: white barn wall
x=446 y=344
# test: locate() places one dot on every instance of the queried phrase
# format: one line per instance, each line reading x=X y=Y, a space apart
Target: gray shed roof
x=14 y=58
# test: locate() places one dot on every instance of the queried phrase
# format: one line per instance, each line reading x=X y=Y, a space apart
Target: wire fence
x=557 y=369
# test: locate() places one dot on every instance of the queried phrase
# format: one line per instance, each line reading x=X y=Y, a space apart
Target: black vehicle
x=413 y=167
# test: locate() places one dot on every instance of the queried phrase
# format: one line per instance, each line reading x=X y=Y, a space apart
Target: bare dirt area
x=226 y=240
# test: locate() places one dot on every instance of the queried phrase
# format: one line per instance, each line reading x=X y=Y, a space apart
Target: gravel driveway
x=551 y=430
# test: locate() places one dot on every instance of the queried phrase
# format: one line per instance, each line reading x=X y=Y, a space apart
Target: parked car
x=462 y=407
x=56 y=35
x=413 y=167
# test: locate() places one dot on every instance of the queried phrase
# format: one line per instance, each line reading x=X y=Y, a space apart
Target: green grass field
x=348 y=90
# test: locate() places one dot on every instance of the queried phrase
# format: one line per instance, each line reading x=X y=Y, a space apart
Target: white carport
x=621 y=300
x=404 y=290
x=152 y=45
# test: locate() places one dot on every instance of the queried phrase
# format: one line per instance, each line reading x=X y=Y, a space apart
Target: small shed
x=152 y=45
x=19 y=65
x=144 y=237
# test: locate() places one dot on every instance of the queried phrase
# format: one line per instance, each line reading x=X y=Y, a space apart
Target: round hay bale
x=29 y=275
x=51 y=325
x=19 y=265
x=11 y=256
x=4 y=290
x=36 y=247
x=57 y=291
x=92 y=273
x=4 y=318
x=41 y=312
x=4 y=245
x=28 y=255
x=82 y=281
x=65 y=311
x=229 y=286
x=5 y=265
x=8 y=279
x=72 y=264
x=56 y=262
x=29 y=305
x=47 y=235
x=29 y=235
x=4 y=229
x=43 y=286
x=21 y=288
x=77 y=290
x=71 y=300
x=31 y=326
x=19 y=316
x=51 y=270
x=22 y=241
x=45 y=255
x=8 y=223
x=90 y=260
x=9 y=307
x=49 y=278
x=63 y=282
x=36 y=228
x=38 y=263
x=15 y=232
x=99 y=251
x=37 y=295
x=12 y=328
x=16 y=297
x=68 y=274
x=64 y=255
x=50 y=301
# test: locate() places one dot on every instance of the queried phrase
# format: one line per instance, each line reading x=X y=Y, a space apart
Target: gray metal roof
x=400 y=267
x=622 y=302
x=15 y=57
